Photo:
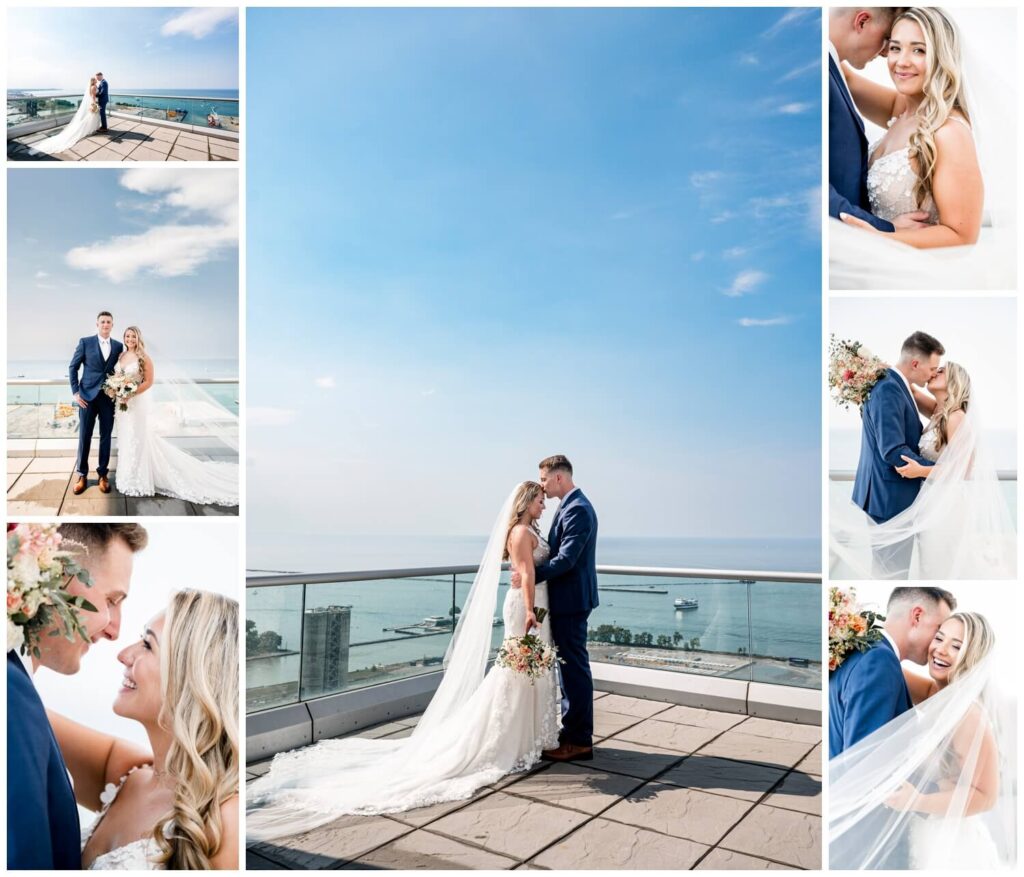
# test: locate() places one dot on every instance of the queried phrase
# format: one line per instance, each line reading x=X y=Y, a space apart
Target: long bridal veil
x=959 y=527
x=953 y=759
x=444 y=759
x=863 y=260
x=82 y=124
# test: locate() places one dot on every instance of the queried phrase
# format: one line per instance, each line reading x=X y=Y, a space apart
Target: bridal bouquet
x=849 y=629
x=122 y=388
x=39 y=568
x=853 y=371
x=94 y=107
x=528 y=655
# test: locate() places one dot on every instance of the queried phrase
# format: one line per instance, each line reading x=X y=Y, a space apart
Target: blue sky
x=171 y=47
x=156 y=247
x=525 y=232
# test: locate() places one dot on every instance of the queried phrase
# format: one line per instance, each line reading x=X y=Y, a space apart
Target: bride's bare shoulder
x=522 y=535
x=955 y=137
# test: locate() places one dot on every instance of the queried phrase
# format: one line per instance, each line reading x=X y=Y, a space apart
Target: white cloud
x=698 y=256
x=791 y=17
x=746 y=282
x=198 y=22
x=795 y=108
x=258 y=416
x=749 y=59
x=734 y=252
x=41 y=274
x=704 y=179
x=175 y=248
x=724 y=216
x=752 y=322
x=431 y=392
x=325 y=383
x=803 y=69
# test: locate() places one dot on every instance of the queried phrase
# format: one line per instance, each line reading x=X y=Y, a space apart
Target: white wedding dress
x=82 y=124
x=959 y=525
x=498 y=725
x=136 y=856
x=148 y=463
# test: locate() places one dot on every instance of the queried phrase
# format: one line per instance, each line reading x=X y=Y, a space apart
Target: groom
x=571 y=575
x=95 y=357
x=102 y=95
x=42 y=819
x=856 y=36
x=890 y=430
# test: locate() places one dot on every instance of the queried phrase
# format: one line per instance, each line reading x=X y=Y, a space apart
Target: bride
x=86 y=121
x=959 y=525
x=933 y=789
x=927 y=161
x=175 y=806
x=149 y=463
x=477 y=728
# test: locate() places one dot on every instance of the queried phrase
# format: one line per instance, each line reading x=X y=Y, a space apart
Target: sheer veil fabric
x=937 y=751
x=959 y=526
x=478 y=727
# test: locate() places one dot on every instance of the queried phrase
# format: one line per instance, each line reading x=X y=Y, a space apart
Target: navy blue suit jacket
x=571 y=571
x=890 y=429
x=102 y=93
x=42 y=818
x=867 y=691
x=89 y=358
x=847 y=155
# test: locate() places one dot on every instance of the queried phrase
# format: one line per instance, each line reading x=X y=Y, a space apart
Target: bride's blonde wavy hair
x=979 y=639
x=199 y=678
x=525 y=495
x=958 y=398
x=944 y=89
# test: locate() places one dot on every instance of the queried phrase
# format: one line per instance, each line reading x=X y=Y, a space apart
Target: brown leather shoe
x=80 y=485
x=569 y=752
x=104 y=484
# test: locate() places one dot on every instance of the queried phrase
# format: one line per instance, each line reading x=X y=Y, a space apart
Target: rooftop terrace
x=131 y=140
x=670 y=786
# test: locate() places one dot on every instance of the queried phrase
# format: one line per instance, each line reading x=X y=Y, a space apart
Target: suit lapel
x=906 y=392
x=844 y=90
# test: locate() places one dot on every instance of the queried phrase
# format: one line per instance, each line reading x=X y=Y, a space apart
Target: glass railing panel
x=26 y=110
x=203 y=112
x=786 y=634
x=273 y=636
x=45 y=410
x=685 y=625
x=357 y=634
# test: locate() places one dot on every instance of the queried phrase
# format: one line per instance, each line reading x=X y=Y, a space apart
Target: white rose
x=26 y=570
x=864 y=353
x=15 y=636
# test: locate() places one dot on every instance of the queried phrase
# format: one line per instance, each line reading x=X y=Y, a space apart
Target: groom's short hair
x=922 y=344
x=104 y=314
x=558 y=461
x=99 y=536
x=929 y=596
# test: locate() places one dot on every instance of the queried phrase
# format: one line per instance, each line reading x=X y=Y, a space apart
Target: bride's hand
x=913 y=469
x=531 y=620
x=903 y=798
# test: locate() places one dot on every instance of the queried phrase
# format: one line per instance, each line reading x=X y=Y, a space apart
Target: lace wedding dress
x=82 y=124
x=501 y=727
x=136 y=856
x=148 y=463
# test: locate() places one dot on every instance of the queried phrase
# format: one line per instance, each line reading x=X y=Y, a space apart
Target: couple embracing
x=927 y=502
x=90 y=118
x=170 y=805
x=481 y=724
x=921 y=770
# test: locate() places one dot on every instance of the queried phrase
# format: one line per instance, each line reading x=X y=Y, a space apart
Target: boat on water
x=683 y=603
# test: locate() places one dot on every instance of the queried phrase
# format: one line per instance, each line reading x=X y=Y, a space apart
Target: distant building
x=325 y=648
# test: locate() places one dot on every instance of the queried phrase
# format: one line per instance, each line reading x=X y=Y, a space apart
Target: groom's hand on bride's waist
x=517 y=580
x=916 y=219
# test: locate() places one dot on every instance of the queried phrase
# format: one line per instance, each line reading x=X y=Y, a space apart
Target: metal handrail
x=112 y=94
x=850 y=474
x=58 y=382
x=270 y=581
